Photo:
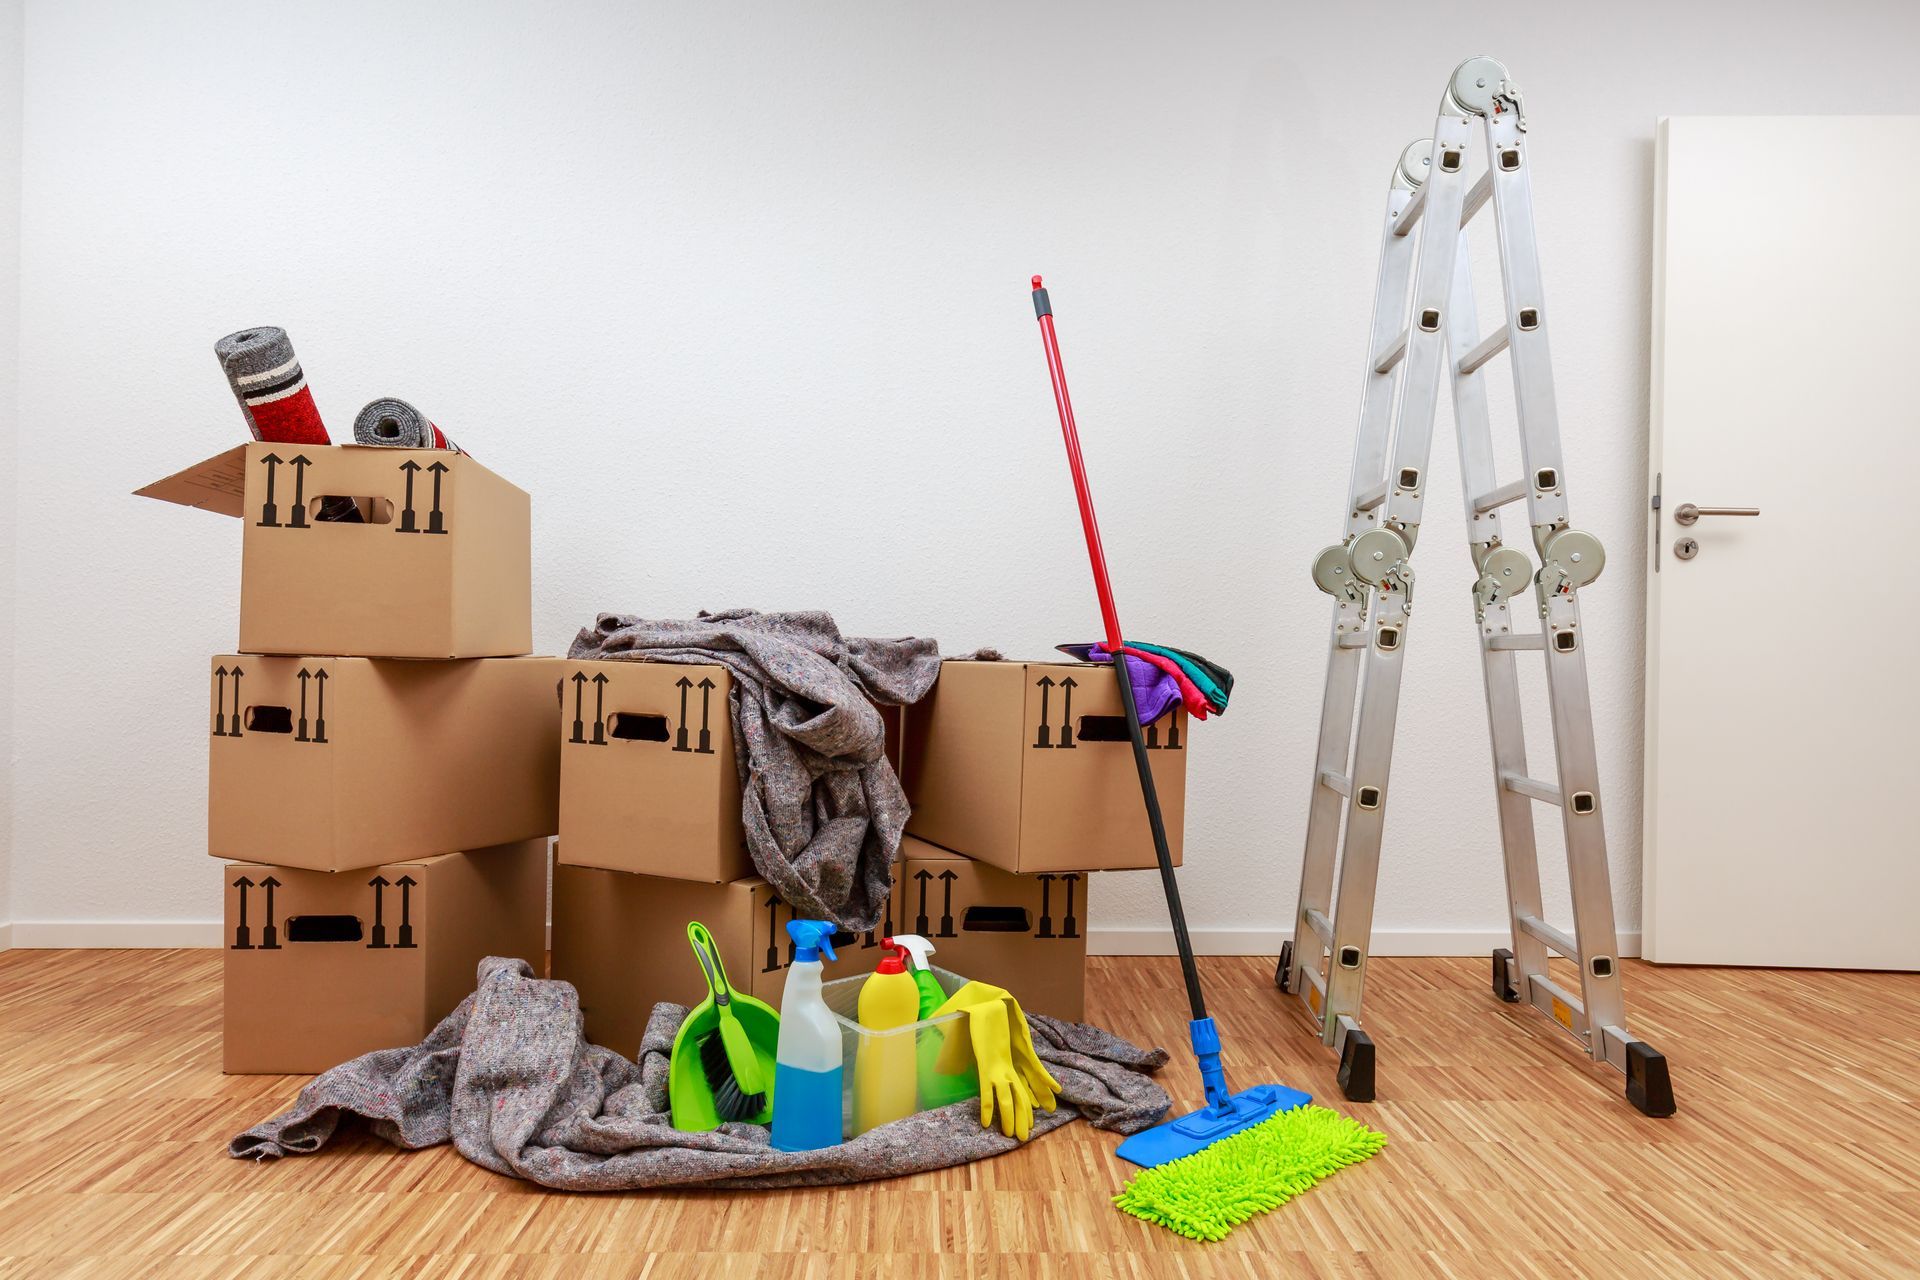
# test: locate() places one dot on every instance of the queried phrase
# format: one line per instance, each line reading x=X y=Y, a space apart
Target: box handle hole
x=634 y=727
x=269 y=720
x=996 y=920
x=372 y=510
x=323 y=928
x=1103 y=729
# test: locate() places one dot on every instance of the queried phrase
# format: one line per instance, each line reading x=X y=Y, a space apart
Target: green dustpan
x=688 y=1089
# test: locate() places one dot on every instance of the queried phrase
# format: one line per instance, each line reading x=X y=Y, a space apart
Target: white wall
x=11 y=66
x=739 y=293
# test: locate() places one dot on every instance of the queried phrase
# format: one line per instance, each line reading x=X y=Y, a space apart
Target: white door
x=1783 y=656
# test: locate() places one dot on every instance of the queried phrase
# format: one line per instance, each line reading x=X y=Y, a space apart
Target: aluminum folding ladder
x=1416 y=333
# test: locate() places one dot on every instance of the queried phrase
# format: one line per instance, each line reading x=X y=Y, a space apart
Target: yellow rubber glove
x=1027 y=1062
x=1001 y=1087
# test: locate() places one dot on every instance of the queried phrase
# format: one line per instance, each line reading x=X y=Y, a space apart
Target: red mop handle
x=1088 y=521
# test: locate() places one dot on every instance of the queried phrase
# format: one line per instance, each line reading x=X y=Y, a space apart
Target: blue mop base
x=1203 y=1128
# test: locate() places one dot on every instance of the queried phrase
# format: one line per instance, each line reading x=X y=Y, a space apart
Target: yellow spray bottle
x=885 y=1070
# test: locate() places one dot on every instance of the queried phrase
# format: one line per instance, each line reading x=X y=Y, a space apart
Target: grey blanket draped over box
x=822 y=807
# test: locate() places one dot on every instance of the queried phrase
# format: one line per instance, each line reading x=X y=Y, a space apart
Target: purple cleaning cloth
x=1154 y=691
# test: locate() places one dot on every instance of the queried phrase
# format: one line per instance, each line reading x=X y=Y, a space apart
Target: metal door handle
x=1687 y=513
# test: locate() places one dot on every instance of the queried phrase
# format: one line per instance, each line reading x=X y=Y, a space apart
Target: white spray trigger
x=916 y=947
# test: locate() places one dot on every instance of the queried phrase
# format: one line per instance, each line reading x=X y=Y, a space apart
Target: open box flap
x=218 y=484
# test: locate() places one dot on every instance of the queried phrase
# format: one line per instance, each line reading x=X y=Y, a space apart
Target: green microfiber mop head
x=1207 y=1194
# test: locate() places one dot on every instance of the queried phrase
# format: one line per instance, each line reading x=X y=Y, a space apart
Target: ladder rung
x=1352 y=640
x=1336 y=782
x=1532 y=788
x=1525 y=640
x=1548 y=934
x=1384 y=362
x=1371 y=498
x=1494 y=499
x=1489 y=347
x=1411 y=214
x=1318 y=922
x=1476 y=197
x=1475 y=200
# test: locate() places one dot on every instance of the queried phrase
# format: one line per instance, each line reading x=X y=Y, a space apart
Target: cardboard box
x=649 y=782
x=621 y=940
x=441 y=567
x=335 y=763
x=1027 y=765
x=321 y=968
x=1026 y=933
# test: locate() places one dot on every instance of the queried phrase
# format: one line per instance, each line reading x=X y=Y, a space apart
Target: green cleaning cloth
x=1207 y=1194
x=1198 y=670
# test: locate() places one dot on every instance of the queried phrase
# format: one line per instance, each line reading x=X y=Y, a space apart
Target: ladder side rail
x=1567 y=693
x=1343 y=661
x=1377 y=389
x=1380 y=683
x=1520 y=856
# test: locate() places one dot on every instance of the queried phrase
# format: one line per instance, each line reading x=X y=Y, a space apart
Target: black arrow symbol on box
x=793 y=913
x=1044 y=738
x=706 y=734
x=1067 y=687
x=297 y=519
x=301 y=736
x=1173 y=732
x=1070 y=927
x=233 y=721
x=1046 y=905
x=579 y=695
x=773 y=934
x=220 y=702
x=269 y=934
x=946 y=903
x=378 y=940
x=887 y=927
x=434 y=524
x=406 y=884
x=680 y=734
x=406 y=525
x=1152 y=741
x=920 y=919
x=599 y=709
x=242 y=938
x=270 y=513
x=320 y=705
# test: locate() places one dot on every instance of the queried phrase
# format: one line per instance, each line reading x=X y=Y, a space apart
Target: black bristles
x=728 y=1102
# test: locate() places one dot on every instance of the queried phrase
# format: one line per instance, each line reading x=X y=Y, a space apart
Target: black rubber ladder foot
x=1503 y=986
x=1649 y=1087
x=1356 y=1067
x=1283 y=972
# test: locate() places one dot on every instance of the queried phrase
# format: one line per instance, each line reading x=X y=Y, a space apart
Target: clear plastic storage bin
x=924 y=1047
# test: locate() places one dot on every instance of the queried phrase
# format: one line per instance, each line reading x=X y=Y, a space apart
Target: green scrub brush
x=721 y=1068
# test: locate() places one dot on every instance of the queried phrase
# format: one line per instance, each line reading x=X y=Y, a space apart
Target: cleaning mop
x=397 y=424
x=1226 y=1112
x=1243 y=1176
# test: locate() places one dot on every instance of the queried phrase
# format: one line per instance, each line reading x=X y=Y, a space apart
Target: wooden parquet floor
x=1796 y=1151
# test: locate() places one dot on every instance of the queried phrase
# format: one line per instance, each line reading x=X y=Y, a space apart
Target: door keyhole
x=1686 y=549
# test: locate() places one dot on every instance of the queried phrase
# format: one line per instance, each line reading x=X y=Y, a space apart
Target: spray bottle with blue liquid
x=807 y=1064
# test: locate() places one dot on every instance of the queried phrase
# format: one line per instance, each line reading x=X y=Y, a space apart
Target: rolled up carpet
x=271 y=387
x=399 y=425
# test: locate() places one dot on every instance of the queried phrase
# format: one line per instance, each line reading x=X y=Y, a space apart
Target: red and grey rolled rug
x=272 y=389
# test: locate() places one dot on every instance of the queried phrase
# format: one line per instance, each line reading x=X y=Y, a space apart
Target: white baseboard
x=30 y=934
x=27 y=934
x=1266 y=942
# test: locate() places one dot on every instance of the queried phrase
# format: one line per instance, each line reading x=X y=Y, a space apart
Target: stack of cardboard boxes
x=1021 y=779
x=383 y=774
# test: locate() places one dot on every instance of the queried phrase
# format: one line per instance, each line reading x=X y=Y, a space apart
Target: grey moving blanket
x=822 y=807
x=509 y=1081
